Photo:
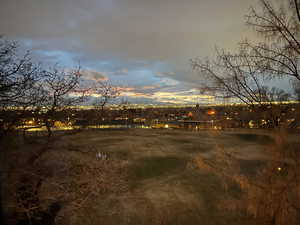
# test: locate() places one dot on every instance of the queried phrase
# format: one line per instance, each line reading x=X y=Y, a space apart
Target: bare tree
x=18 y=76
x=20 y=85
x=233 y=75
x=279 y=26
x=273 y=195
x=242 y=75
x=245 y=75
x=61 y=90
x=104 y=93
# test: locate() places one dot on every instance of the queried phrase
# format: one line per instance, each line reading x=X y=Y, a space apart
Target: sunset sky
x=143 y=46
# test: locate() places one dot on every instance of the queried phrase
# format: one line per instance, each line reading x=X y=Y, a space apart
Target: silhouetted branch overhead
x=27 y=86
x=19 y=77
x=235 y=75
x=297 y=3
x=244 y=75
x=279 y=26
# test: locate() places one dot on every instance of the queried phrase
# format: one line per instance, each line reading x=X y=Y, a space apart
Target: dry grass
x=66 y=176
x=272 y=194
x=150 y=177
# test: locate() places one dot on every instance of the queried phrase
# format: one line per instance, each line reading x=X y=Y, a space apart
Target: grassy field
x=153 y=180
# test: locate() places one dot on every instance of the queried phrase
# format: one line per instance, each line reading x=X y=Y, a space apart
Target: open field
x=150 y=175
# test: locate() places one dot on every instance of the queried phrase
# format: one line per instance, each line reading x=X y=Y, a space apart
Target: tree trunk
x=48 y=126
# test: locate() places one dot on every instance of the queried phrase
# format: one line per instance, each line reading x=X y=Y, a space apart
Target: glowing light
x=251 y=124
x=211 y=112
x=279 y=168
x=30 y=122
x=166 y=126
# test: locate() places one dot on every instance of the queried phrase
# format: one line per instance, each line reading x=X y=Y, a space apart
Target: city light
x=211 y=112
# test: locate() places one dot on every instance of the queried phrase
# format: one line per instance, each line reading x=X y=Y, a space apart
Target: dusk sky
x=143 y=46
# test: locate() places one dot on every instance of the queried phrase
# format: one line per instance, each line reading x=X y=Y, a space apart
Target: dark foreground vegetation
x=143 y=176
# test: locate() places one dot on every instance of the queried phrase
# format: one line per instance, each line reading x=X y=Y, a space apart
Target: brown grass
x=272 y=194
x=150 y=177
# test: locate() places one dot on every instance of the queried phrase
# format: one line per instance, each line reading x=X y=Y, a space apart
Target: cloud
x=135 y=94
x=169 y=82
x=94 y=75
x=191 y=96
x=125 y=89
x=180 y=98
x=150 y=87
x=134 y=29
x=139 y=43
x=120 y=72
x=164 y=74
